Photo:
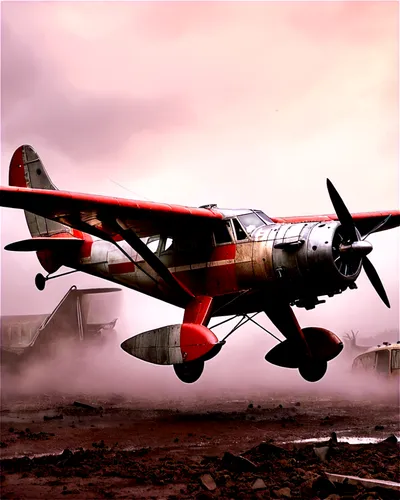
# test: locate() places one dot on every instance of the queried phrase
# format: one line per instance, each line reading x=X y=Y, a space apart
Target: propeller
x=352 y=244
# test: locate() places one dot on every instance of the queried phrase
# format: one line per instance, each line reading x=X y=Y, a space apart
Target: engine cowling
x=311 y=252
x=306 y=260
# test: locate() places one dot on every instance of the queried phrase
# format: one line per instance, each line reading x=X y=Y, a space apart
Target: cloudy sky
x=240 y=104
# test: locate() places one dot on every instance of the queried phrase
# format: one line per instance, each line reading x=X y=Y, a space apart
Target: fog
x=191 y=103
x=100 y=369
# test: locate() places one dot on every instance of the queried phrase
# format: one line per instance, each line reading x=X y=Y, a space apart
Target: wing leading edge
x=97 y=214
x=100 y=212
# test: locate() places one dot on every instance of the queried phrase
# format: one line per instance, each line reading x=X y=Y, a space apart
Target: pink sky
x=240 y=104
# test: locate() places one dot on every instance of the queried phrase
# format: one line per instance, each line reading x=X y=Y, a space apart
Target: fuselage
x=252 y=256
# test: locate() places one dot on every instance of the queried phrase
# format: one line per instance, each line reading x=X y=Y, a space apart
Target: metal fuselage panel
x=297 y=258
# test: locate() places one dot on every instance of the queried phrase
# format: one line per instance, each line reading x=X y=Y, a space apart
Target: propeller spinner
x=353 y=245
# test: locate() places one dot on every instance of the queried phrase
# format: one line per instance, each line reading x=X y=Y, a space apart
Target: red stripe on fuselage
x=215 y=279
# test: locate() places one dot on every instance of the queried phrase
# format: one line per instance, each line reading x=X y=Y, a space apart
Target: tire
x=313 y=370
x=189 y=372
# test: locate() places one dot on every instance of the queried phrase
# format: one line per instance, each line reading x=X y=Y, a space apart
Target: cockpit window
x=264 y=217
x=166 y=244
x=153 y=243
x=222 y=233
x=240 y=234
x=250 y=222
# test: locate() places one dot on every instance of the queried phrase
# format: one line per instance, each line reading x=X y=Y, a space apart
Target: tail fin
x=27 y=170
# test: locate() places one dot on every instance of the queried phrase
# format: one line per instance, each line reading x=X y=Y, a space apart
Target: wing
x=114 y=219
x=98 y=215
x=365 y=221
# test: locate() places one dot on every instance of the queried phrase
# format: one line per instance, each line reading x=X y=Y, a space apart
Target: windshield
x=250 y=222
x=264 y=217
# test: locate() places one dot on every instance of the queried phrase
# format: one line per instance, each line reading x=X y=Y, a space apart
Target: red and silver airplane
x=209 y=261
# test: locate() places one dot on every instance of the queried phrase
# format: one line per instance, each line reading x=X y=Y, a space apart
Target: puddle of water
x=31 y=455
x=344 y=439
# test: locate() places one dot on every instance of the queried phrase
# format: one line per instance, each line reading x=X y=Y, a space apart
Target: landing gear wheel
x=189 y=372
x=40 y=281
x=313 y=370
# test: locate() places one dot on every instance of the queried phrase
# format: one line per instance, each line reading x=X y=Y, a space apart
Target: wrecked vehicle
x=78 y=317
x=382 y=360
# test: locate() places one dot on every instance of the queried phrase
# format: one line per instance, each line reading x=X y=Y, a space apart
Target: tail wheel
x=313 y=370
x=189 y=372
x=40 y=282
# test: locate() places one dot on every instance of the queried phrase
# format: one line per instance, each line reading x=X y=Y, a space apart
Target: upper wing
x=113 y=219
x=365 y=221
x=98 y=215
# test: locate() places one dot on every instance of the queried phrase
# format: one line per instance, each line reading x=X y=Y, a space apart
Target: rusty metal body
x=207 y=260
x=297 y=258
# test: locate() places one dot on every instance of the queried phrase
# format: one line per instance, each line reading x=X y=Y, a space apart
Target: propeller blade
x=375 y=280
x=378 y=226
x=343 y=214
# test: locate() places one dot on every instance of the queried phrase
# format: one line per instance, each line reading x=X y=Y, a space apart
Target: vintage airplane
x=209 y=261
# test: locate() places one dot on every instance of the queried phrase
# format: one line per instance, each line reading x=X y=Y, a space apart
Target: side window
x=382 y=364
x=167 y=244
x=368 y=361
x=153 y=243
x=222 y=233
x=396 y=359
x=240 y=234
x=192 y=240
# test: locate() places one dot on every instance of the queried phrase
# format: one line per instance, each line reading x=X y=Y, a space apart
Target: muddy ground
x=126 y=448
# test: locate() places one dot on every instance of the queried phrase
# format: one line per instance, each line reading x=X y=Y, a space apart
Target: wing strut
x=154 y=262
x=103 y=235
x=137 y=244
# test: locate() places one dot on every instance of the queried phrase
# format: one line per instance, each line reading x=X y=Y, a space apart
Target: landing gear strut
x=306 y=349
x=40 y=280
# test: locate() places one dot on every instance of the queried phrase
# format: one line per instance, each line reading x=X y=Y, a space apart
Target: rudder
x=27 y=170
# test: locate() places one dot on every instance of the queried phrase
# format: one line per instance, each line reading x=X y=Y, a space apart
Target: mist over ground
x=100 y=368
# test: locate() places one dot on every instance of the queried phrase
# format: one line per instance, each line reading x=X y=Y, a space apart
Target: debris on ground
x=208 y=482
x=392 y=439
x=87 y=407
x=259 y=484
x=54 y=417
x=283 y=493
x=322 y=452
x=220 y=452
x=237 y=463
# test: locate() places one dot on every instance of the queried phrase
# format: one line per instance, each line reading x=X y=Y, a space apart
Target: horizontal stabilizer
x=44 y=243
